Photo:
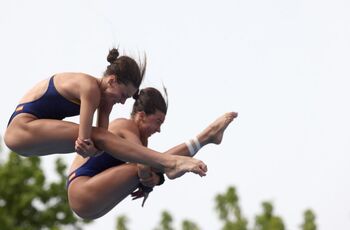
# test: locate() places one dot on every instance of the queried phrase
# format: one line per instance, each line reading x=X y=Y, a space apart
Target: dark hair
x=149 y=101
x=125 y=68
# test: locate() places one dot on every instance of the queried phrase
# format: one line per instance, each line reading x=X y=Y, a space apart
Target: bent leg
x=93 y=197
x=29 y=136
x=212 y=134
x=174 y=166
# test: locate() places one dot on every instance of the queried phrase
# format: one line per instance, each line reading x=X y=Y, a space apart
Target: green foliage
x=309 y=221
x=189 y=225
x=27 y=202
x=122 y=223
x=267 y=220
x=229 y=212
x=165 y=222
x=227 y=206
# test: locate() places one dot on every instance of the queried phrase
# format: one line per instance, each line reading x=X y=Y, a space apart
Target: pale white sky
x=283 y=65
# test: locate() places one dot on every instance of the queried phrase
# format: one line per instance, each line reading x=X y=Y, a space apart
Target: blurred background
x=282 y=65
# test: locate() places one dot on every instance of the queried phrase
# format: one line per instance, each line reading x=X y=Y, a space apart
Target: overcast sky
x=282 y=65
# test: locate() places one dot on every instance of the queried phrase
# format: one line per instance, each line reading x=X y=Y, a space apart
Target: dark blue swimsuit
x=98 y=164
x=94 y=165
x=52 y=105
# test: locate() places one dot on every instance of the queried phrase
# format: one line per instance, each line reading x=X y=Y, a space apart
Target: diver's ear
x=112 y=79
x=142 y=115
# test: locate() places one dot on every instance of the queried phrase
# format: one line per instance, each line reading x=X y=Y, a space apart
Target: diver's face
x=119 y=92
x=151 y=123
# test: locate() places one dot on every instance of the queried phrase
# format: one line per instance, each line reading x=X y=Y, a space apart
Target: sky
x=282 y=65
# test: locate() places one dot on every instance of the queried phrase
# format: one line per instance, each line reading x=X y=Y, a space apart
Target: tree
x=229 y=211
x=165 y=222
x=309 y=221
x=189 y=225
x=28 y=202
x=122 y=222
x=267 y=220
x=227 y=206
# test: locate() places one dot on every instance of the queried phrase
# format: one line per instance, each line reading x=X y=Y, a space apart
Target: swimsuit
x=100 y=163
x=94 y=165
x=51 y=105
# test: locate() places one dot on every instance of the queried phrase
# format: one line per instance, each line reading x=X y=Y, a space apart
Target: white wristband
x=190 y=148
x=196 y=142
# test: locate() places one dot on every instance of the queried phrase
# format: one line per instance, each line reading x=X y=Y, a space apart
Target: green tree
x=227 y=206
x=165 y=222
x=309 y=221
x=122 y=222
x=267 y=220
x=189 y=225
x=28 y=202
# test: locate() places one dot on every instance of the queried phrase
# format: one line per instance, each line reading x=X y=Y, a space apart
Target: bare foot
x=186 y=164
x=215 y=131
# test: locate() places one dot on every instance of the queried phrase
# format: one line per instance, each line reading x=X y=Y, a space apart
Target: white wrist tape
x=190 y=148
x=193 y=146
x=198 y=145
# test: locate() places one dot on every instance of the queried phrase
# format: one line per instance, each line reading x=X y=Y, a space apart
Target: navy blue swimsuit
x=95 y=165
x=98 y=164
x=52 y=105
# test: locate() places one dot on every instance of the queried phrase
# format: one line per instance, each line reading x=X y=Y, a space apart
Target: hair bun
x=113 y=55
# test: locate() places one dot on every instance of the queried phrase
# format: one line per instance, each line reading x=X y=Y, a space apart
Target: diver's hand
x=86 y=148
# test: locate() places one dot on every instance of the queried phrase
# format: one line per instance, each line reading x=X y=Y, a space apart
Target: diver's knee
x=14 y=145
x=87 y=213
x=8 y=141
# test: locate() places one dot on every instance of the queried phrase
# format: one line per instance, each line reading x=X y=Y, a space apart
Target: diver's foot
x=215 y=131
x=186 y=164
